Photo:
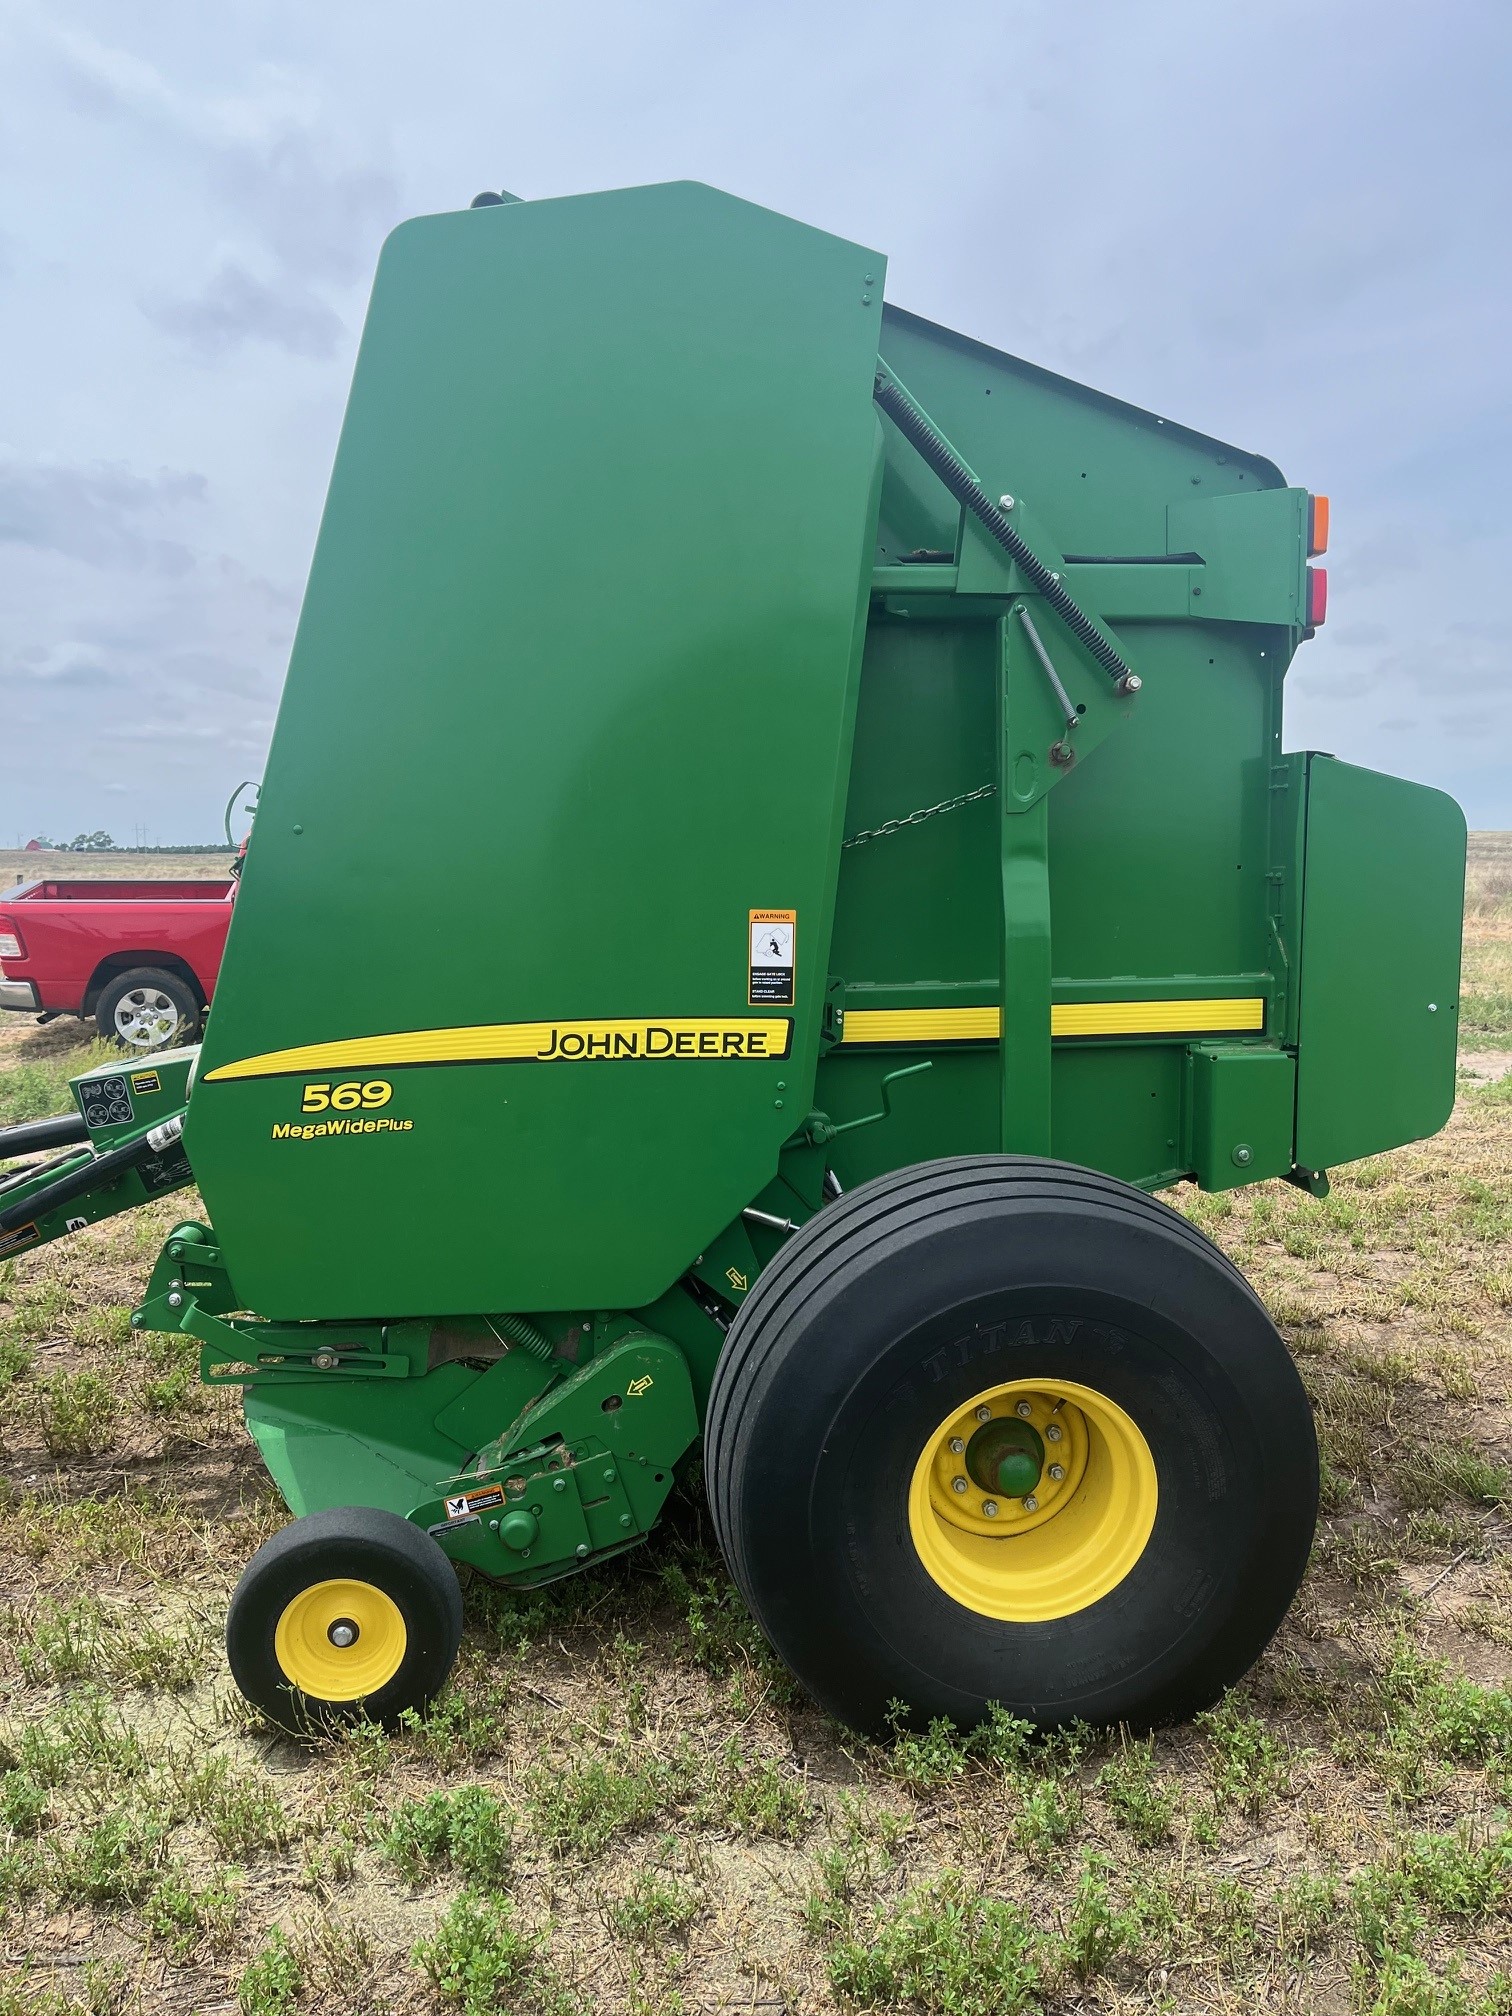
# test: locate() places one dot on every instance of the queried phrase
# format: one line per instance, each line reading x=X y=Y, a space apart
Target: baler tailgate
x=1382 y=890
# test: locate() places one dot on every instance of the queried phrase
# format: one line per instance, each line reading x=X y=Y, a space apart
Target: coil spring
x=916 y=428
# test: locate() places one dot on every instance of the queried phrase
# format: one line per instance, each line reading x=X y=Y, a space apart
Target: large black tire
x=147 y=1009
x=388 y=1642
x=894 y=1309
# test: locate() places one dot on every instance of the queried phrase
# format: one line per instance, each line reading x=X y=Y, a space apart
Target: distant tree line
x=100 y=842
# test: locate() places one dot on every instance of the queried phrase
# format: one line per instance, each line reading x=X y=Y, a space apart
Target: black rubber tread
x=870 y=1206
x=179 y=992
x=369 y=1545
x=877 y=1222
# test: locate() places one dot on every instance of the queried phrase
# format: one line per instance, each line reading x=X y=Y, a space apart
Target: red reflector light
x=1317 y=596
x=1317 y=526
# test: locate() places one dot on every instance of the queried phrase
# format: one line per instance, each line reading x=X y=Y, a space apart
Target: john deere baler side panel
x=572 y=696
x=1160 y=845
x=1382 y=896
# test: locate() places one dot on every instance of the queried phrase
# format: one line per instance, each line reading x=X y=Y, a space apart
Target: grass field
x=622 y=1805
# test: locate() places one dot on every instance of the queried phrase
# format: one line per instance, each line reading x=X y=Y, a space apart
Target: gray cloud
x=235 y=307
x=106 y=515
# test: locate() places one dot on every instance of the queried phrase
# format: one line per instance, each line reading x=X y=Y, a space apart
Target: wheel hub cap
x=1005 y=1458
x=1032 y=1500
x=340 y=1640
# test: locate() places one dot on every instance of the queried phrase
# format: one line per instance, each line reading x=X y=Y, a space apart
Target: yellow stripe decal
x=1067 y=1018
x=540 y=1042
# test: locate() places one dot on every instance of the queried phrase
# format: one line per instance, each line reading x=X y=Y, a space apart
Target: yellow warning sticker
x=774 y=942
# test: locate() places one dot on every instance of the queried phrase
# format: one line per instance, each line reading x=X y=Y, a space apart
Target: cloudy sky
x=1284 y=224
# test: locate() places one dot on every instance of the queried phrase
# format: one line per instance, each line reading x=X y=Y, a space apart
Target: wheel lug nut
x=989 y=1506
x=1024 y=1409
x=957 y=1444
x=958 y=1484
x=1053 y=1432
x=1031 y=1503
x=984 y=1413
x=1057 y=1472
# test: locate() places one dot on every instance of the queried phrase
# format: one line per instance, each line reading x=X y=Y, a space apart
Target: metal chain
x=918 y=818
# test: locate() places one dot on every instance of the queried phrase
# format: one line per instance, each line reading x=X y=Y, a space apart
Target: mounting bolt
x=1057 y=1473
x=136 y=1322
x=1242 y=1156
x=343 y=1633
x=957 y=1445
x=1053 y=1432
x=990 y=1508
x=175 y=1301
x=984 y=1413
x=323 y=1361
x=1031 y=1503
x=624 y=1518
x=1005 y=502
x=609 y=1476
x=1023 y=1410
x=1433 y=1007
x=1130 y=683
x=559 y=1483
x=582 y=1550
x=958 y=1485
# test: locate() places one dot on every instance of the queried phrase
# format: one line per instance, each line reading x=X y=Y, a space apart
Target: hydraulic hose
x=61 y=1132
x=920 y=432
x=92 y=1174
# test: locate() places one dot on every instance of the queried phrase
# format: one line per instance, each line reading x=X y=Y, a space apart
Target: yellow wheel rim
x=1063 y=1544
x=337 y=1641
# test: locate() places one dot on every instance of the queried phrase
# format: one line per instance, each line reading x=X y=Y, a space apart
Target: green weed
x=271 y=1982
x=114 y=1862
x=469 y=1831
x=1139 y=1801
x=579 y=1809
x=481 y=1961
x=1248 y=1764
x=947 y=1950
x=186 y=1918
x=77 y=1414
x=655 y=1907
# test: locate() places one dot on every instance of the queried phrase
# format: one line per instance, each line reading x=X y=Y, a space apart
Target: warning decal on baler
x=468 y=1504
x=774 y=936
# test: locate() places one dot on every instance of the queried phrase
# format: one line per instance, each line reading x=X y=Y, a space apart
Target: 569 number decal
x=353 y=1095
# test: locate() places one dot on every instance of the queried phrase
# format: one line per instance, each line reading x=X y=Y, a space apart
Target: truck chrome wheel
x=145 y=1018
x=145 y=1009
x=1001 y=1431
x=1021 y=1542
x=344 y=1614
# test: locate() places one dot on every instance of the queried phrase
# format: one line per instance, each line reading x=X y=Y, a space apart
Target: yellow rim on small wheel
x=340 y=1640
x=1032 y=1500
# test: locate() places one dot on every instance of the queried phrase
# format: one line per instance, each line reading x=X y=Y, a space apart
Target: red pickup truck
x=141 y=957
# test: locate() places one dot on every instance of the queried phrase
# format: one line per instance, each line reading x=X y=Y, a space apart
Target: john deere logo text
x=585 y=1040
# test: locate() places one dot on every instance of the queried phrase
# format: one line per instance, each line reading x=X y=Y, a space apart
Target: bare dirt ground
x=622 y=1804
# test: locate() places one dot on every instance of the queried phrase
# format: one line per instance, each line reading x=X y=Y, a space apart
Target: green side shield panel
x=572 y=697
x=1383 y=890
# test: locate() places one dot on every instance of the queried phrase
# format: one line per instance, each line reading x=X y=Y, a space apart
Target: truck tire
x=1003 y=1430
x=344 y=1615
x=146 y=1009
